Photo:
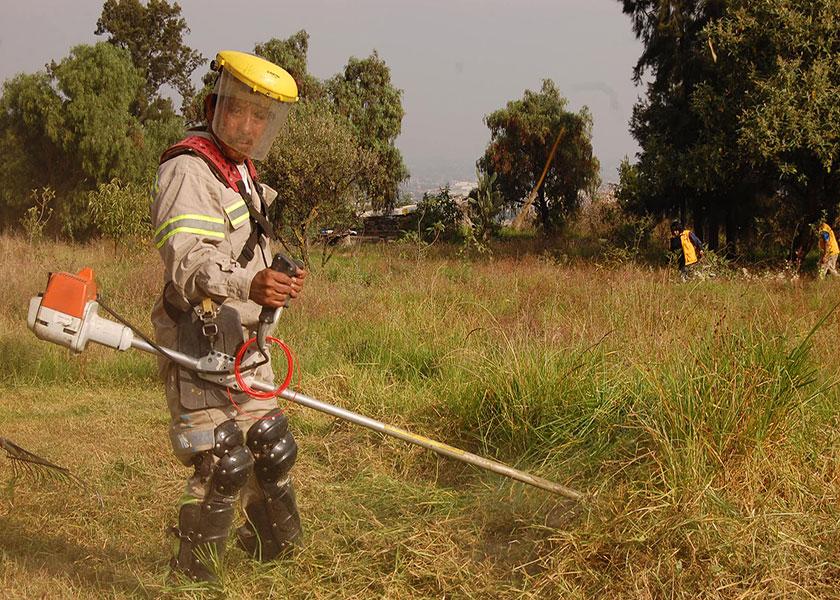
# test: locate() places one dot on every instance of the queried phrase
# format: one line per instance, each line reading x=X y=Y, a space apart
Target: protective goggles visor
x=245 y=120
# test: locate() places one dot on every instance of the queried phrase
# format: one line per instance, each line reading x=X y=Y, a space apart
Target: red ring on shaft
x=249 y=390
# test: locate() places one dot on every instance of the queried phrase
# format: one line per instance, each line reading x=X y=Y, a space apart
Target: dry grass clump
x=702 y=419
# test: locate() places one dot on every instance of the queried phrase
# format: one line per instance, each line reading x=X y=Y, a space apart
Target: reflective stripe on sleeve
x=237 y=212
x=196 y=224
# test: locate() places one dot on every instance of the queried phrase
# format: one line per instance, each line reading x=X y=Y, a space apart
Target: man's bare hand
x=271 y=288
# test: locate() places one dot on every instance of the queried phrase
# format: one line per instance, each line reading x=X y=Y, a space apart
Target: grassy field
x=702 y=419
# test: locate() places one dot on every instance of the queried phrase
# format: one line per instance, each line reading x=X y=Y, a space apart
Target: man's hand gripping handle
x=288 y=266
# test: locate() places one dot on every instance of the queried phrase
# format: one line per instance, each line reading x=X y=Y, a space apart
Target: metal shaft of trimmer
x=67 y=314
x=440 y=448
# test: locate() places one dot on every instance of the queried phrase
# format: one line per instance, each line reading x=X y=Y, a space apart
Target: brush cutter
x=67 y=314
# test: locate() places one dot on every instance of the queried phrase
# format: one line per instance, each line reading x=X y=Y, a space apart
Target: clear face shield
x=245 y=120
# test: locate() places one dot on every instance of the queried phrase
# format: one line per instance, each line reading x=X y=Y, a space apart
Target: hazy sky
x=455 y=60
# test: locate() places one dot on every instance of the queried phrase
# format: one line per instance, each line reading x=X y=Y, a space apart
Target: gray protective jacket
x=201 y=226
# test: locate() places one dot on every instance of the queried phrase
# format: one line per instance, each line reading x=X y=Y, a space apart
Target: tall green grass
x=702 y=419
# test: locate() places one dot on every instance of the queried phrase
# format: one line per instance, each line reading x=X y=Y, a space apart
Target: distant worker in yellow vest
x=828 y=251
x=688 y=246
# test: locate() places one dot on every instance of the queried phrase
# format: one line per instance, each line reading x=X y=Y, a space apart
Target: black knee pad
x=232 y=471
x=267 y=430
x=274 y=465
x=227 y=436
x=273 y=446
x=235 y=464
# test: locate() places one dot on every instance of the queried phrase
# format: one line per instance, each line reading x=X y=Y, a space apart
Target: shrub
x=120 y=211
x=484 y=205
x=35 y=218
x=437 y=217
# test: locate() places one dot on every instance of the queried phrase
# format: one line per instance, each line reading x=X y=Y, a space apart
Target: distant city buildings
x=413 y=189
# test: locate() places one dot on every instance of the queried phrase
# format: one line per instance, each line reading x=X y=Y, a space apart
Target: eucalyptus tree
x=521 y=137
x=153 y=33
x=364 y=95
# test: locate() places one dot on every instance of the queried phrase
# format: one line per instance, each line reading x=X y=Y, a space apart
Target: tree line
x=91 y=127
x=739 y=127
x=84 y=135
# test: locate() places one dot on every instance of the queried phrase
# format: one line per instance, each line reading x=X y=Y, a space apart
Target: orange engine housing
x=68 y=293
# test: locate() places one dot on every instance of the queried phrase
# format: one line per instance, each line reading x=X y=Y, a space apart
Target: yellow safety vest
x=831 y=248
x=688 y=248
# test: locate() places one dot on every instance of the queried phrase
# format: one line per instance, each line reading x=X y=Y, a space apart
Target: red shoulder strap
x=205 y=148
x=252 y=170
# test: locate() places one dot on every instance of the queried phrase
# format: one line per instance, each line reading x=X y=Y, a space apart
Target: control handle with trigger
x=268 y=315
x=282 y=264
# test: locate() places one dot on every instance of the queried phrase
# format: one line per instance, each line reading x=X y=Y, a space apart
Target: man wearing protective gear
x=209 y=215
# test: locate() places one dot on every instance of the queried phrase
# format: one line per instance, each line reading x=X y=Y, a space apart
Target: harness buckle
x=207 y=312
x=210 y=330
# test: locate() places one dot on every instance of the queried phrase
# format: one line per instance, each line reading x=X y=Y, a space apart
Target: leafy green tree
x=683 y=171
x=739 y=124
x=70 y=127
x=320 y=169
x=782 y=61
x=153 y=33
x=291 y=54
x=521 y=137
x=365 y=96
x=120 y=211
x=30 y=125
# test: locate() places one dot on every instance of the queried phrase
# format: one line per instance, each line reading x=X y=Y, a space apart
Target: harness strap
x=259 y=224
x=173 y=311
x=256 y=215
x=227 y=173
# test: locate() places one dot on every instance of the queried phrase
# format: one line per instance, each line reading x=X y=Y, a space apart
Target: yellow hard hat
x=253 y=98
x=260 y=75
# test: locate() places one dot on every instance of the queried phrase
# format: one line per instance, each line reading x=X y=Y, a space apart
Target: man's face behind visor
x=247 y=121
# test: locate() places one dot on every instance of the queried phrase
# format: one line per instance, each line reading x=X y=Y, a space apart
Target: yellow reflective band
x=238 y=220
x=237 y=212
x=216 y=220
x=234 y=206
